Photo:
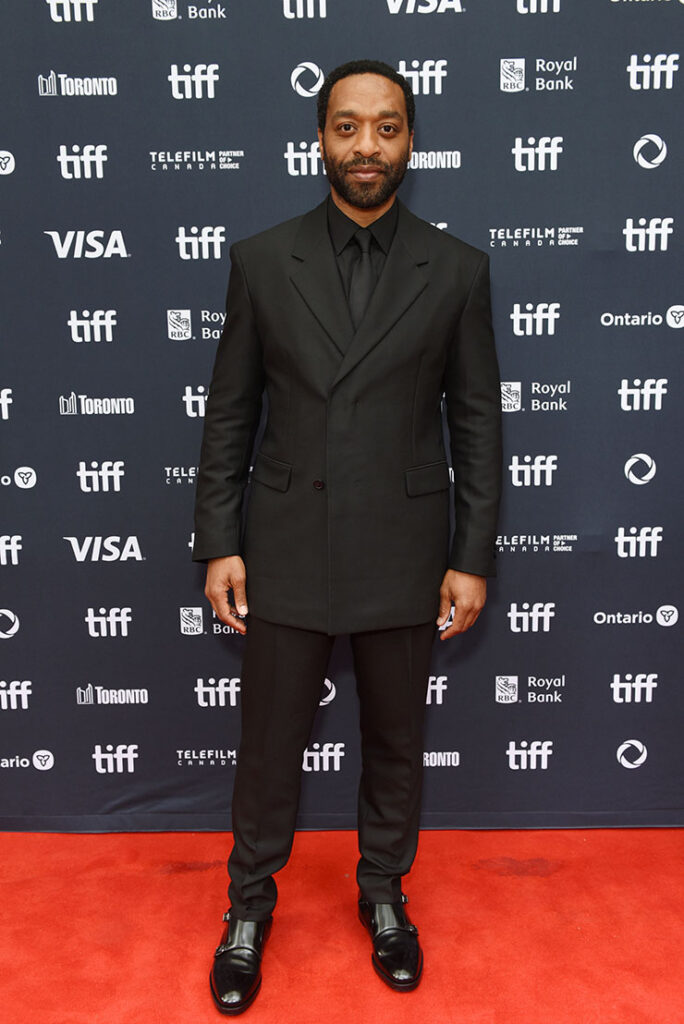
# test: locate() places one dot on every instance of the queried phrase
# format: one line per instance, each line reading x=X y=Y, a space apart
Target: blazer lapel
x=317 y=278
x=403 y=278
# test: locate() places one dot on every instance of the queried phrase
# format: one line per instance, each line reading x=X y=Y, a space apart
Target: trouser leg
x=392 y=669
x=282 y=675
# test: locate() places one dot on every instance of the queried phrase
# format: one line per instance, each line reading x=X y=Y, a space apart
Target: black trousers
x=282 y=676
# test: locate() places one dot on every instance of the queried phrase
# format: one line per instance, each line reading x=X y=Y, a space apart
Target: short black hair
x=364 y=67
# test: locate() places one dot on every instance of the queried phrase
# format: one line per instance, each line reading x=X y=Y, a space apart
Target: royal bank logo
x=108 y=622
x=82 y=162
x=5 y=402
x=526 y=237
x=90 y=695
x=545 y=396
x=164 y=10
x=533 y=471
x=511 y=395
x=111 y=760
x=217 y=693
x=538 y=6
x=194 y=82
x=642 y=396
x=648 y=235
x=303 y=159
x=652 y=72
x=56 y=84
x=305 y=8
x=435 y=160
x=179 y=324
x=536 y=319
x=633 y=689
x=208 y=13
x=529 y=755
x=212 y=324
x=100 y=477
x=105 y=549
x=191 y=621
x=506 y=689
x=24 y=477
x=195 y=402
x=512 y=74
x=201 y=243
x=96 y=326
x=638 y=542
x=91 y=245
x=72 y=10
x=7 y=162
x=425 y=77
x=307 y=79
x=14 y=695
x=83 y=405
x=535 y=618
x=10 y=546
x=632 y=754
x=323 y=757
x=9 y=624
x=649 y=151
x=425 y=6
x=537 y=154
x=196 y=159
x=437 y=687
x=640 y=469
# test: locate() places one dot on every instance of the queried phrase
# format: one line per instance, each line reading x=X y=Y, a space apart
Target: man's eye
x=346 y=128
x=388 y=129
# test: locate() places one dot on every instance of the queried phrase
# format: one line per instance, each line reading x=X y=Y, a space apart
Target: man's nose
x=366 y=142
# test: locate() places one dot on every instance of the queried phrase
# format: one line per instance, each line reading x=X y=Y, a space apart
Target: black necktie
x=362 y=278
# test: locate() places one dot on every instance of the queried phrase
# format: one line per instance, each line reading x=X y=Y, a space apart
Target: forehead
x=366 y=95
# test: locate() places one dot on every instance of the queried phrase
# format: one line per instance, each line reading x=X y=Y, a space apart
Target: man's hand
x=224 y=574
x=467 y=593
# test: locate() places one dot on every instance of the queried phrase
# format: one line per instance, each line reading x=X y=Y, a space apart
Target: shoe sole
x=398 y=986
x=230 y=1011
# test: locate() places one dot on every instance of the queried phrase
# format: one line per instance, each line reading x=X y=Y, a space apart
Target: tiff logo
x=195 y=404
x=72 y=10
x=323 y=758
x=653 y=72
x=14 y=696
x=640 y=543
x=304 y=8
x=538 y=6
x=636 y=397
x=529 y=473
x=437 y=687
x=539 y=319
x=5 y=402
x=99 y=477
x=531 y=755
x=204 y=244
x=648 y=237
x=82 y=163
x=10 y=546
x=119 y=760
x=533 y=156
x=95 y=326
x=631 y=689
x=423 y=76
x=114 y=622
x=531 y=620
x=189 y=85
x=217 y=692
x=304 y=160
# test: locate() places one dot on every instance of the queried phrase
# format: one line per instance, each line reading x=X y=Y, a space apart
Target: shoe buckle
x=226 y=916
x=404 y=898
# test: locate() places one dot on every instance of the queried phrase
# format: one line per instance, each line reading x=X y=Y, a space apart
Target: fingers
x=444 y=607
x=464 y=618
x=226 y=574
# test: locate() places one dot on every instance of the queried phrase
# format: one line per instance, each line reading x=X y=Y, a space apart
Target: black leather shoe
x=397 y=956
x=236 y=973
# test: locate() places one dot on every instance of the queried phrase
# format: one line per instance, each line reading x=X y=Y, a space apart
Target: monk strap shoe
x=397 y=956
x=236 y=972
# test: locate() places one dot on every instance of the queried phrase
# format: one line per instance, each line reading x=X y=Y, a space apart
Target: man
x=355 y=319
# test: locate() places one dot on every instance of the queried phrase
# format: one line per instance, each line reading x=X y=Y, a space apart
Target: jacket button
x=319 y=484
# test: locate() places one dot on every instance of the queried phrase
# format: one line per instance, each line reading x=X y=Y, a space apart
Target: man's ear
x=320 y=140
x=410 y=145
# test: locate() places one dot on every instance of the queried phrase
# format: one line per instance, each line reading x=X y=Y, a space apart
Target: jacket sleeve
x=231 y=420
x=473 y=397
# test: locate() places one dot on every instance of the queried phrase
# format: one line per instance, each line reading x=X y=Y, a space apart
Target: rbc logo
x=648 y=236
x=531 y=620
x=99 y=477
x=72 y=10
x=97 y=326
x=532 y=755
x=630 y=689
x=204 y=244
x=653 y=72
x=529 y=473
x=111 y=760
x=114 y=622
x=423 y=76
x=533 y=156
x=189 y=84
x=640 y=543
x=636 y=397
x=82 y=163
x=537 y=320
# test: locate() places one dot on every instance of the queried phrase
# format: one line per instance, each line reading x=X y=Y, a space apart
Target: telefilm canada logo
x=195 y=159
x=216 y=757
x=539 y=236
x=536 y=543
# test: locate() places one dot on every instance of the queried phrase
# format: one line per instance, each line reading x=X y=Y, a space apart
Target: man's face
x=366 y=145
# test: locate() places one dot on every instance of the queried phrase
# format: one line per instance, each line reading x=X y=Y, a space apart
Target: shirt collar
x=341 y=227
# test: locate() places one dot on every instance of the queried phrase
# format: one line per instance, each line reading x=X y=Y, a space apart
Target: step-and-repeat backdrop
x=138 y=139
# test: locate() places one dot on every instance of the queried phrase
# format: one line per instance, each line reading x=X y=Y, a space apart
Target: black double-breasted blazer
x=346 y=526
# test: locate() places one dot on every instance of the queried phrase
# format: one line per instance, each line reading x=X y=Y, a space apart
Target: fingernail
x=242 y=608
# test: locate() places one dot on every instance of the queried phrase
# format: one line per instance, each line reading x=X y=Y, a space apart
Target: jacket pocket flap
x=426 y=479
x=271 y=472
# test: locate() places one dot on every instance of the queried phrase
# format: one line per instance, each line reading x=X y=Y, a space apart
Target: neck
x=362 y=217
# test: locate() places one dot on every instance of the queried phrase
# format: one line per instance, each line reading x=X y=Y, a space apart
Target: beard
x=366 y=194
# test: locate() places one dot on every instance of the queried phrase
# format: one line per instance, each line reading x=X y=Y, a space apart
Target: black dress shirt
x=342 y=229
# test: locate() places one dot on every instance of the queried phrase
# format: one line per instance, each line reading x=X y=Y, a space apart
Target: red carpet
x=547 y=927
